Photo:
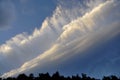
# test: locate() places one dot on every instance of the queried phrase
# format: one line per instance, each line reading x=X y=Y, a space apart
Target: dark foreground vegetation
x=57 y=76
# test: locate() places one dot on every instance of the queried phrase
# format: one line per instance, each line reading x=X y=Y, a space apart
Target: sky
x=17 y=16
x=69 y=36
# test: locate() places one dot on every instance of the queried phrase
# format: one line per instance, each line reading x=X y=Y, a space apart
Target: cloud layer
x=67 y=36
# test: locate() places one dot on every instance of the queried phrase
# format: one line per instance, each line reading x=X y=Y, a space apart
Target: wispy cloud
x=64 y=35
x=39 y=41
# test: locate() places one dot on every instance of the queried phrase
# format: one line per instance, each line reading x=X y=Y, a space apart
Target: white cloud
x=39 y=41
x=60 y=38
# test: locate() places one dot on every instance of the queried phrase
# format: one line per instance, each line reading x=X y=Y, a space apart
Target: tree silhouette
x=85 y=77
x=31 y=77
x=22 y=77
x=44 y=76
x=57 y=76
x=112 y=77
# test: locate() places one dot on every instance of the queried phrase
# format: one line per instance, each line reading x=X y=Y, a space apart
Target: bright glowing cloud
x=63 y=36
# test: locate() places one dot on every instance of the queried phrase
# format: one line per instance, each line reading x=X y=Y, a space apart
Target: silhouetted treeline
x=57 y=76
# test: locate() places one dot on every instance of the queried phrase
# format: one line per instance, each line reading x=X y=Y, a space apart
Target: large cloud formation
x=68 y=41
x=7 y=13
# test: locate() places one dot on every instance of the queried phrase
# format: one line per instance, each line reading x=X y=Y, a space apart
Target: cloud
x=63 y=38
x=38 y=42
x=7 y=13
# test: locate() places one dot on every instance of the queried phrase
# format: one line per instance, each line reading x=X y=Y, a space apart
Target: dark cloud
x=7 y=13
